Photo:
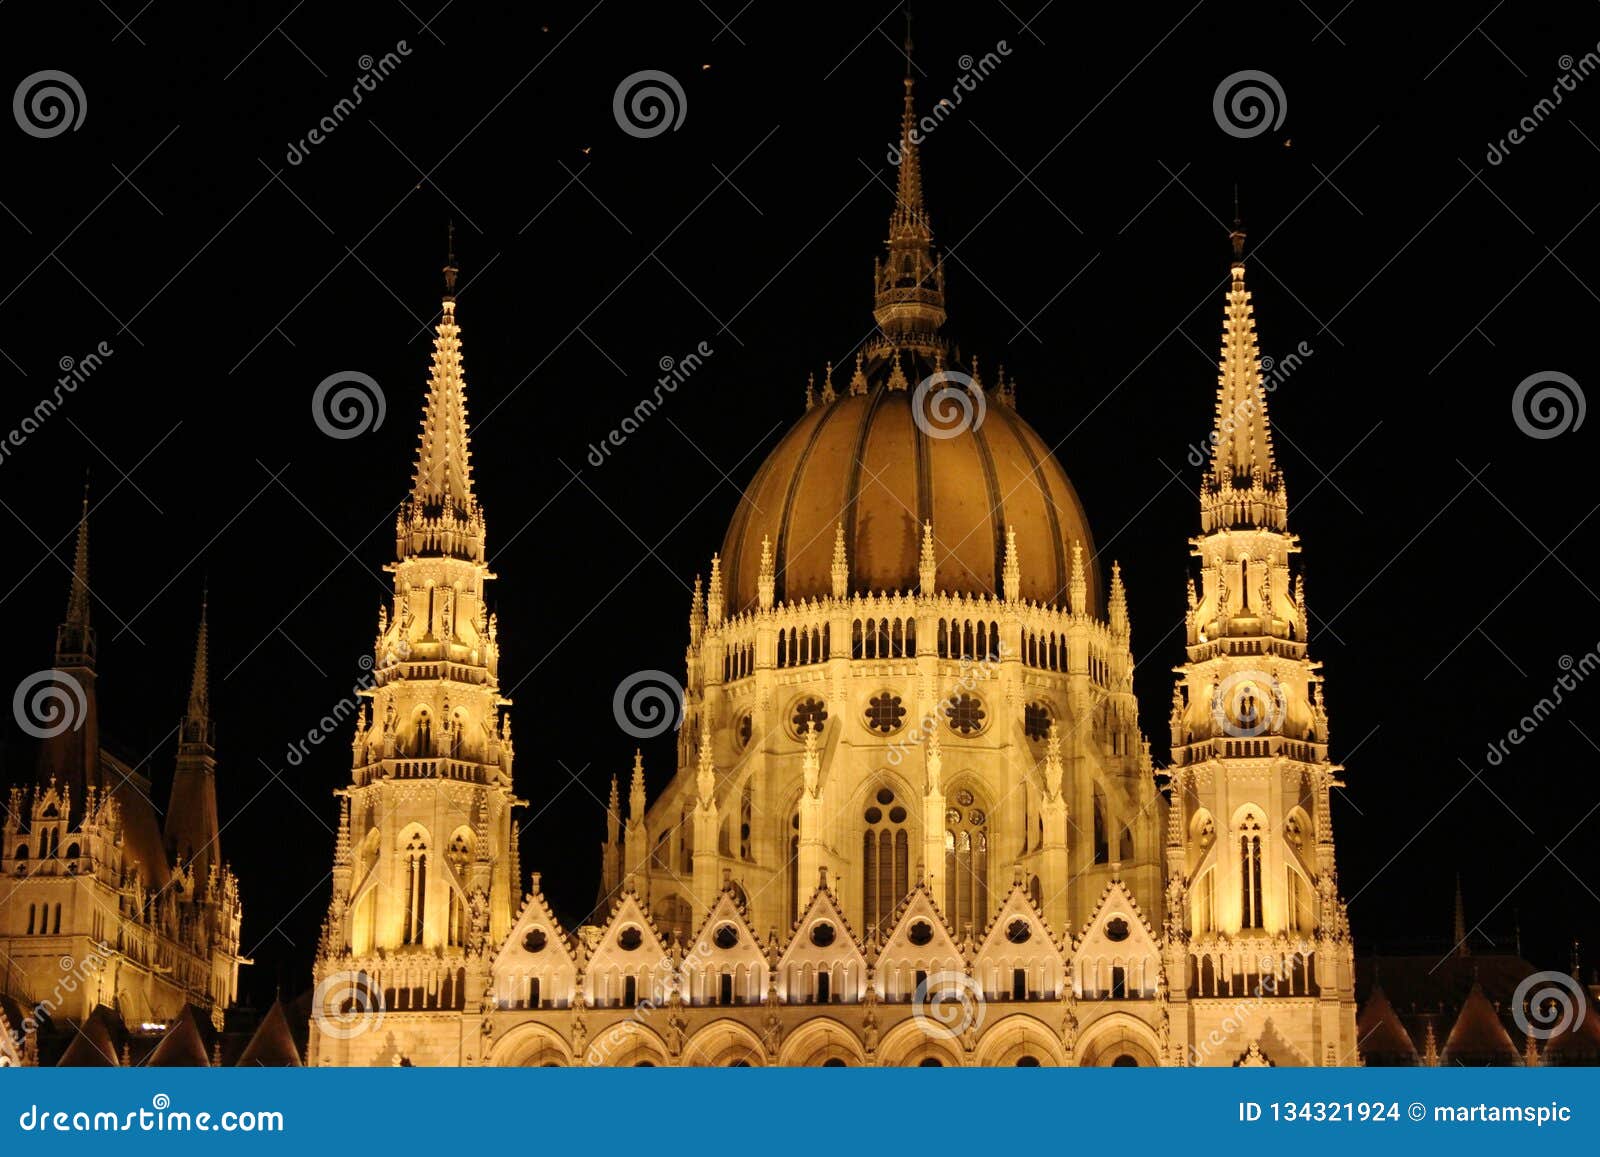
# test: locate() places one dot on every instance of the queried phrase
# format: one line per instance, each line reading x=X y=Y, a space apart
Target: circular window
x=822 y=934
x=885 y=796
x=873 y=815
x=952 y=816
x=809 y=713
x=978 y=817
x=630 y=938
x=966 y=714
x=535 y=940
x=726 y=936
x=920 y=933
x=897 y=815
x=834 y=1063
x=964 y=798
x=1124 y=1062
x=746 y=729
x=1019 y=931
x=885 y=713
x=1028 y=1062
x=1036 y=720
x=930 y=1063
x=1117 y=930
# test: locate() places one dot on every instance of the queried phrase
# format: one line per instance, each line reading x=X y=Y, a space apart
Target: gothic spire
x=75 y=643
x=197 y=720
x=443 y=516
x=909 y=280
x=1243 y=487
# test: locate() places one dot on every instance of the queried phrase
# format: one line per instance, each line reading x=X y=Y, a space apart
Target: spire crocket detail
x=443 y=516
x=909 y=280
x=1243 y=486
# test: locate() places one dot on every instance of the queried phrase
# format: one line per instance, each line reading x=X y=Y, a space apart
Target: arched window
x=794 y=869
x=1205 y=901
x=966 y=861
x=458 y=855
x=885 y=859
x=415 y=864
x=424 y=736
x=1102 y=839
x=1125 y=845
x=1250 y=872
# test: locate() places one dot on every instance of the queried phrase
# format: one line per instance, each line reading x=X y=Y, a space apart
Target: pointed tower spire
x=443 y=516
x=613 y=812
x=1119 y=601
x=192 y=827
x=70 y=754
x=909 y=280
x=75 y=641
x=841 y=564
x=1243 y=487
x=697 y=613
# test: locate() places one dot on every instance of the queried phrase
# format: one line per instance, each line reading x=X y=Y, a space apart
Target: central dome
x=913 y=439
x=862 y=460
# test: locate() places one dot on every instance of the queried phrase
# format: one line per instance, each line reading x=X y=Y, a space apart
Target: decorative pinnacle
x=1012 y=581
x=714 y=592
x=1118 y=611
x=927 y=565
x=1077 y=584
x=450 y=270
x=841 y=564
x=766 y=581
x=706 y=777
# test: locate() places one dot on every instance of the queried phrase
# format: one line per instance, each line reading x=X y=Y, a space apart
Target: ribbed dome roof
x=860 y=459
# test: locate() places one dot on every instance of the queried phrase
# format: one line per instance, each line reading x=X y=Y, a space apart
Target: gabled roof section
x=703 y=948
x=535 y=912
x=183 y=1047
x=273 y=1044
x=629 y=911
x=823 y=905
x=919 y=906
x=1018 y=904
x=1116 y=900
x=1380 y=1032
x=1478 y=1037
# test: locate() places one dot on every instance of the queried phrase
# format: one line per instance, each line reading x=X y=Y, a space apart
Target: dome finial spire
x=450 y=270
x=909 y=281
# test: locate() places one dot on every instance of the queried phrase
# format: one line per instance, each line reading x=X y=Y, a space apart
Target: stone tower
x=425 y=877
x=1253 y=902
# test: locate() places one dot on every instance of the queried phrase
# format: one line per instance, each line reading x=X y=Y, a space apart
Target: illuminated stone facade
x=913 y=820
x=102 y=902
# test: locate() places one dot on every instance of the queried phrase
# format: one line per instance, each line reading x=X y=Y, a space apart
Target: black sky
x=1084 y=188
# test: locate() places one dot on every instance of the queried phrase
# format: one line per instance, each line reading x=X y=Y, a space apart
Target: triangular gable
x=182 y=1047
x=1116 y=937
x=612 y=962
x=919 y=908
x=536 y=914
x=823 y=908
x=272 y=1045
x=1018 y=905
x=705 y=951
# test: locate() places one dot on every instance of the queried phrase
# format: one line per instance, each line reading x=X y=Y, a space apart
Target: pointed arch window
x=966 y=861
x=424 y=736
x=1250 y=873
x=1102 y=826
x=458 y=855
x=415 y=865
x=885 y=859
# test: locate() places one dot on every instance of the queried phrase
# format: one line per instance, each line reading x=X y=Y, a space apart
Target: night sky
x=1082 y=193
